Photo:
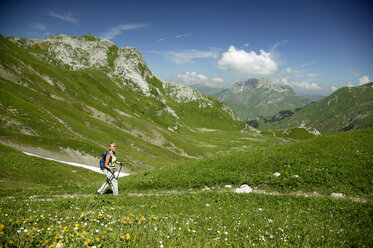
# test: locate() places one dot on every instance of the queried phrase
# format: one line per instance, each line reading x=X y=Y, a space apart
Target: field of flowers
x=205 y=219
x=47 y=204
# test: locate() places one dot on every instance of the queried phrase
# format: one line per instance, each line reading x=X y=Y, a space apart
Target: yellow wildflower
x=98 y=239
x=128 y=236
x=10 y=220
x=1 y=232
x=2 y=226
x=46 y=242
x=11 y=242
x=87 y=242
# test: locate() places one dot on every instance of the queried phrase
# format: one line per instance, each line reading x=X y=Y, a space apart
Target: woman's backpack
x=102 y=159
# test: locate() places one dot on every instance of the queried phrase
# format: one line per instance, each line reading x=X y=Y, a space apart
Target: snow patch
x=92 y=168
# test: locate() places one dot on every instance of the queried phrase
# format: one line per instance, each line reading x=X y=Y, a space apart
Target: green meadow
x=46 y=204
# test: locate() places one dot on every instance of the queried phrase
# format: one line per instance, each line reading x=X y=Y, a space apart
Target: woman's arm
x=107 y=159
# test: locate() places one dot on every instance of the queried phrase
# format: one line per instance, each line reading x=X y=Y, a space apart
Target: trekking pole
x=121 y=164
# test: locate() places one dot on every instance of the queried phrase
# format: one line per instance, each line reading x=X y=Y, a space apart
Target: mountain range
x=83 y=92
x=345 y=109
x=255 y=98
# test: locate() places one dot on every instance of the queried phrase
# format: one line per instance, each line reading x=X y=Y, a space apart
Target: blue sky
x=313 y=46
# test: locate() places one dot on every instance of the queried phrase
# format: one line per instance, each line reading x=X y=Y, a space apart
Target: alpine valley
x=71 y=96
x=199 y=176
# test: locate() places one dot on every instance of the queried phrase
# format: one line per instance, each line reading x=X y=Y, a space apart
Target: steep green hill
x=256 y=98
x=346 y=109
x=339 y=162
x=82 y=92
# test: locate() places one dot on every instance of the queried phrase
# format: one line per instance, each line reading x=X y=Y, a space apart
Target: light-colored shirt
x=113 y=161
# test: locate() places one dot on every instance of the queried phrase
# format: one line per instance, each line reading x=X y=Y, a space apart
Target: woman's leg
x=106 y=183
x=114 y=186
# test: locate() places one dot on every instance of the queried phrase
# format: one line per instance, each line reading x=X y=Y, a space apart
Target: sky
x=314 y=46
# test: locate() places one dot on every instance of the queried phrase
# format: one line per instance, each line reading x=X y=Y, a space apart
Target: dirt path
x=177 y=192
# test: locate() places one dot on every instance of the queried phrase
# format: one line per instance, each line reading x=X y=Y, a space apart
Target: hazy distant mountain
x=345 y=109
x=261 y=97
x=207 y=89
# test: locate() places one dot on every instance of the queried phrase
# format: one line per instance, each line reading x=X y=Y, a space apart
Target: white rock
x=228 y=186
x=244 y=189
x=277 y=174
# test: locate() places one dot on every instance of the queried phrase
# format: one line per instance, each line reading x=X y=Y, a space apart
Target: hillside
x=339 y=162
x=80 y=93
x=172 y=207
x=346 y=109
x=256 y=98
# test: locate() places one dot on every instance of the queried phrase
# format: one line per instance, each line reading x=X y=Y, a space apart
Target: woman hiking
x=109 y=170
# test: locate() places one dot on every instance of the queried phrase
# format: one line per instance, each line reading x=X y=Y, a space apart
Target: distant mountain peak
x=255 y=83
x=257 y=97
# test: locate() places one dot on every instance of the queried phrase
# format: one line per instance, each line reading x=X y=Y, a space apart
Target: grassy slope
x=340 y=162
x=58 y=114
x=19 y=171
x=348 y=107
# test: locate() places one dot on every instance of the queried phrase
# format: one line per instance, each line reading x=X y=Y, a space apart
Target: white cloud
x=186 y=56
x=364 y=80
x=118 y=30
x=304 y=87
x=160 y=39
x=38 y=26
x=190 y=78
x=182 y=35
x=67 y=17
x=247 y=62
x=289 y=70
x=333 y=88
x=217 y=80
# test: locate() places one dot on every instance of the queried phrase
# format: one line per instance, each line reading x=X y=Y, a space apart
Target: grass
x=65 y=210
x=20 y=171
x=187 y=220
x=340 y=162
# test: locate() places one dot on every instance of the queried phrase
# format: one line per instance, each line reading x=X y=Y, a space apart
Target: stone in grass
x=228 y=186
x=337 y=195
x=277 y=174
x=206 y=189
x=244 y=189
